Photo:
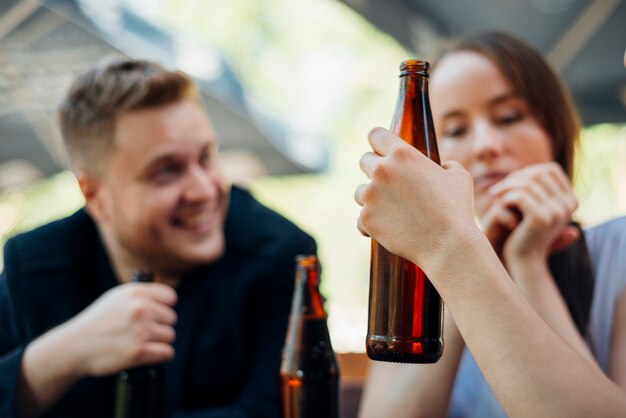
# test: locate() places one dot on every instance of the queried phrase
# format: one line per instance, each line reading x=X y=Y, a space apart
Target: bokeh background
x=322 y=69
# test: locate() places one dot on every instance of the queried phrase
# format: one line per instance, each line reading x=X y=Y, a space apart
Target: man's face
x=162 y=197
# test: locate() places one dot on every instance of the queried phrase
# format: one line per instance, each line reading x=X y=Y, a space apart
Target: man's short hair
x=87 y=114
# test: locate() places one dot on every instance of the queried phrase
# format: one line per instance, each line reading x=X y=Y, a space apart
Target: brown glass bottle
x=309 y=374
x=139 y=391
x=405 y=322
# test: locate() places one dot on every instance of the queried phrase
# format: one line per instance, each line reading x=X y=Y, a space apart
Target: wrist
x=59 y=347
x=47 y=370
x=75 y=358
x=531 y=256
x=454 y=251
x=526 y=266
x=531 y=277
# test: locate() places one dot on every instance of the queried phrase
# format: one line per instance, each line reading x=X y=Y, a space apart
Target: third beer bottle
x=309 y=374
x=405 y=321
x=139 y=391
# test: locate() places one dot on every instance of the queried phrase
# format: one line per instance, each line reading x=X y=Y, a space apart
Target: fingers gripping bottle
x=405 y=318
x=139 y=391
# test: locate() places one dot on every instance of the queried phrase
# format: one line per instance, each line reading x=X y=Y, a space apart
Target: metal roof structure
x=584 y=40
x=45 y=44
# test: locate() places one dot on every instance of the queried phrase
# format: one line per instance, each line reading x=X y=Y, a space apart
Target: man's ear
x=93 y=191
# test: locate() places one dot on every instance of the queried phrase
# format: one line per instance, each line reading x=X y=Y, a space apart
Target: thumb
x=452 y=165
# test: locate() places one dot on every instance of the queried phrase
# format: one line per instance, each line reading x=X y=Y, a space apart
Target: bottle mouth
x=306 y=260
x=414 y=66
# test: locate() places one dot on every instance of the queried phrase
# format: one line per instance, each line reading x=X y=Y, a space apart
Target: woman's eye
x=454 y=132
x=509 y=118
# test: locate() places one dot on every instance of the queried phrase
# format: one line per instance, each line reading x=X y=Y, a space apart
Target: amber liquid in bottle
x=139 y=390
x=309 y=374
x=405 y=322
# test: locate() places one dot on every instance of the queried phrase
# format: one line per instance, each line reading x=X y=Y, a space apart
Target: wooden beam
x=16 y=15
x=579 y=33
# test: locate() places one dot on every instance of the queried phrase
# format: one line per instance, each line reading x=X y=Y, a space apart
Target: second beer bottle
x=309 y=374
x=405 y=322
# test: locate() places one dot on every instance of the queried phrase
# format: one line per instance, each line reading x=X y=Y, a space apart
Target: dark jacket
x=232 y=313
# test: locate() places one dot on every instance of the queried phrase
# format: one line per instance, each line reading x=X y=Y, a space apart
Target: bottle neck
x=412 y=120
x=412 y=84
x=414 y=66
x=414 y=77
x=307 y=283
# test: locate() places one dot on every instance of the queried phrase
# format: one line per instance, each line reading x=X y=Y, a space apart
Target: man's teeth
x=196 y=220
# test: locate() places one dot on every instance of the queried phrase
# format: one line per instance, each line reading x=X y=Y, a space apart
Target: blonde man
x=143 y=152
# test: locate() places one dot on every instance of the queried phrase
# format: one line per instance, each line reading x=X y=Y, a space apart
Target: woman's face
x=482 y=123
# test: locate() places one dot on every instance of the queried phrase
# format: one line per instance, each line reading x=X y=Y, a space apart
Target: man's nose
x=200 y=185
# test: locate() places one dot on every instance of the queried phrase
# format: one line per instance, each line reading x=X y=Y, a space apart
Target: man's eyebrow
x=158 y=161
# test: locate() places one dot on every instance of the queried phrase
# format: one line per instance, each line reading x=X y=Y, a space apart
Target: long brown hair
x=532 y=78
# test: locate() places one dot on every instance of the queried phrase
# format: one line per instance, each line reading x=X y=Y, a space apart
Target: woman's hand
x=412 y=206
x=530 y=214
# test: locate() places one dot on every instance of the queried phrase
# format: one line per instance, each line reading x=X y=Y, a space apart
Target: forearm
x=412 y=390
x=531 y=370
x=534 y=280
x=47 y=371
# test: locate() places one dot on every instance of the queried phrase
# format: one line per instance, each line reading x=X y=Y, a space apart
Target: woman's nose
x=488 y=141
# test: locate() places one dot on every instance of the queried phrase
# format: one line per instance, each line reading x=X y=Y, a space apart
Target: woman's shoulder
x=611 y=233
x=607 y=248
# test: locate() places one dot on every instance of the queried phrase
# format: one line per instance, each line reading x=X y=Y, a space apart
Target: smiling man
x=144 y=154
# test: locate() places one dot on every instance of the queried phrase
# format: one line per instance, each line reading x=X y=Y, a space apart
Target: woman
x=501 y=112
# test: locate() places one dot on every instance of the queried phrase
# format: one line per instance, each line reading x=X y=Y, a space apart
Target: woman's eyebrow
x=503 y=98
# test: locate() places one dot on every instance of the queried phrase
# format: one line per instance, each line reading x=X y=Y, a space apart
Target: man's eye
x=208 y=155
x=167 y=171
x=205 y=159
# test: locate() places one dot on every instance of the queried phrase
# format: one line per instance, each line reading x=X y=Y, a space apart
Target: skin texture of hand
x=530 y=212
x=526 y=222
x=128 y=326
x=424 y=213
x=388 y=200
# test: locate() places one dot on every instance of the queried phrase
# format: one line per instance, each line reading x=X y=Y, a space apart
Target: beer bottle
x=309 y=374
x=405 y=317
x=139 y=390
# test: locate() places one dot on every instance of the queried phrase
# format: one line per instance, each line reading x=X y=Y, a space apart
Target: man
x=143 y=152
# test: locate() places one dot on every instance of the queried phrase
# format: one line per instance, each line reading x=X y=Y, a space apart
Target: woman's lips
x=487 y=180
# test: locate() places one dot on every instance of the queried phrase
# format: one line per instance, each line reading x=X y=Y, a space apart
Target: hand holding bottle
x=128 y=326
x=412 y=206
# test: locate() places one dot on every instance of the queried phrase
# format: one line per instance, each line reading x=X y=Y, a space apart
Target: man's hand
x=128 y=326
